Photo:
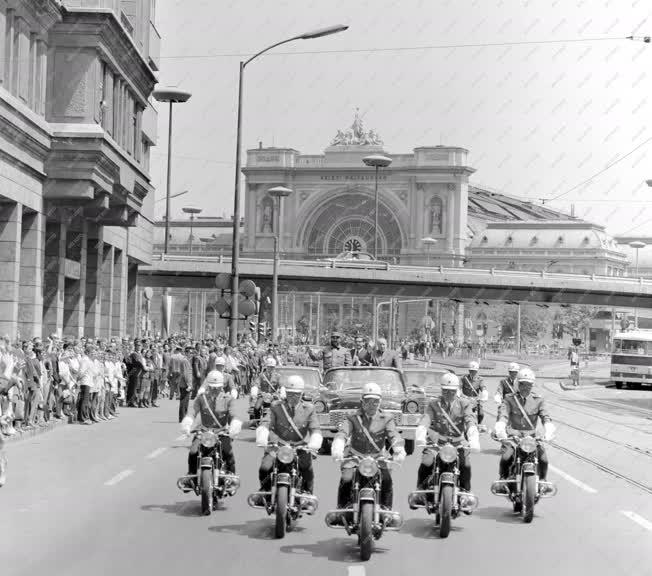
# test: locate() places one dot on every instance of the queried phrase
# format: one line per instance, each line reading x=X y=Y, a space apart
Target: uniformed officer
x=507 y=385
x=474 y=389
x=447 y=419
x=213 y=409
x=267 y=382
x=332 y=356
x=368 y=430
x=518 y=417
x=290 y=421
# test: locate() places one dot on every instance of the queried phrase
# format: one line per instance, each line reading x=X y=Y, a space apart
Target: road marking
x=356 y=571
x=156 y=453
x=119 y=477
x=572 y=480
x=638 y=519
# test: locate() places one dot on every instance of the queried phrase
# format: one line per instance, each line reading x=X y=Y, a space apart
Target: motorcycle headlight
x=285 y=454
x=208 y=439
x=527 y=444
x=448 y=454
x=368 y=467
x=412 y=407
x=320 y=407
x=267 y=398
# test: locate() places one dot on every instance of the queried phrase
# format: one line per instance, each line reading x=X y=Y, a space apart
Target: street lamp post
x=637 y=245
x=429 y=242
x=171 y=96
x=235 y=250
x=192 y=211
x=278 y=192
x=377 y=161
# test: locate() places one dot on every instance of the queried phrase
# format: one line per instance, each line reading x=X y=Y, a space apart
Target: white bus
x=631 y=358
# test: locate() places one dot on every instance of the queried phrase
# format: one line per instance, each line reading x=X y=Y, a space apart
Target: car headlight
x=368 y=467
x=527 y=444
x=285 y=454
x=320 y=407
x=208 y=439
x=448 y=454
x=412 y=407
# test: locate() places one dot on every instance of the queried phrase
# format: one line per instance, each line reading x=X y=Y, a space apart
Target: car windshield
x=354 y=380
x=426 y=379
x=310 y=377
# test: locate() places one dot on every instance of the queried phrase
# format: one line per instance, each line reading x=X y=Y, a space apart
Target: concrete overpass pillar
x=11 y=217
x=30 y=301
x=54 y=277
x=106 y=319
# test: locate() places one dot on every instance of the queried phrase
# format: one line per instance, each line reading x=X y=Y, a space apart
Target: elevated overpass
x=381 y=278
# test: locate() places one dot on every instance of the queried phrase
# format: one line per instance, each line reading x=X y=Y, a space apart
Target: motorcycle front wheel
x=366 y=538
x=206 y=491
x=529 y=494
x=281 y=511
x=445 y=509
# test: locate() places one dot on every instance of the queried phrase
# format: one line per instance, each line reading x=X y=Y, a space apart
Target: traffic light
x=252 y=325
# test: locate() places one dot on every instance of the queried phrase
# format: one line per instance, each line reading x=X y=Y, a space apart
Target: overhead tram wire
x=400 y=48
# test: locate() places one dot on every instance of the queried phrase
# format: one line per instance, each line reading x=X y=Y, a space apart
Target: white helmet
x=449 y=381
x=372 y=390
x=214 y=379
x=295 y=384
x=220 y=361
x=526 y=375
x=473 y=365
x=513 y=367
x=270 y=362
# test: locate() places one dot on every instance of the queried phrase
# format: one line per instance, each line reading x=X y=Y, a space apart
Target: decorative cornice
x=45 y=12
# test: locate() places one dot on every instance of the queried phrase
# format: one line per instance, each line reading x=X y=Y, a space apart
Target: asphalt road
x=103 y=500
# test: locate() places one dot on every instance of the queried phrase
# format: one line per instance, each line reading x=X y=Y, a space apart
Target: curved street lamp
x=172 y=96
x=279 y=192
x=377 y=161
x=235 y=251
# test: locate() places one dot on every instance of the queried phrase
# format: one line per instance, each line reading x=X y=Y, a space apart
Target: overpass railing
x=380 y=265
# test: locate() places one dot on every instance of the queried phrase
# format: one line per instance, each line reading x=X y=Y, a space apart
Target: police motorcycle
x=443 y=496
x=285 y=500
x=212 y=482
x=364 y=517
x=523 y=486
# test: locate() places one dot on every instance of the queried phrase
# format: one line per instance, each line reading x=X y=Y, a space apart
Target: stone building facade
x=76 y=125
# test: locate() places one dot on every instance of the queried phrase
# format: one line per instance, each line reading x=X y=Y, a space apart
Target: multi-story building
x=76 y=126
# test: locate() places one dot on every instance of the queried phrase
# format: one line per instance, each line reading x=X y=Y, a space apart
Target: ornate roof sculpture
x=356 y=135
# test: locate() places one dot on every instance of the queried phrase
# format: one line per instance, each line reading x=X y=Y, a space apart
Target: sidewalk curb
x=35 y=432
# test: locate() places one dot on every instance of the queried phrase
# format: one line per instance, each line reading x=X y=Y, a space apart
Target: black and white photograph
x=325 y=287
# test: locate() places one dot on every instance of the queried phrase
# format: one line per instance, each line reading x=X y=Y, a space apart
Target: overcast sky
x=538 y=119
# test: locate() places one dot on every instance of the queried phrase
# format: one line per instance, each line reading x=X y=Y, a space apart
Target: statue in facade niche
x=435 y=217
x=267 y=219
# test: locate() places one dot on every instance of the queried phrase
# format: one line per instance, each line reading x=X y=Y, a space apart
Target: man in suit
x=381 y=356
x=360 y=354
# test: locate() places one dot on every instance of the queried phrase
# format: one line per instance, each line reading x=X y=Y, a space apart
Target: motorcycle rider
x=290 y=421
x=474 y=389
x=267 y=382
x=368 y=430
x=213 y=409
x=519 y=413
x=506 y=385
x=447 y=419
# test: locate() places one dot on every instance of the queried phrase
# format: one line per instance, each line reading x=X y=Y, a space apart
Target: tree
x=535 y=323
x=575 y=319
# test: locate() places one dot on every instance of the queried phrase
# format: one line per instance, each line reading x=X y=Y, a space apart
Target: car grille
x=337 y=416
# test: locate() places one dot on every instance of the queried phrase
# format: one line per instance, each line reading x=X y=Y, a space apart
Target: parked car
x=340 y=396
